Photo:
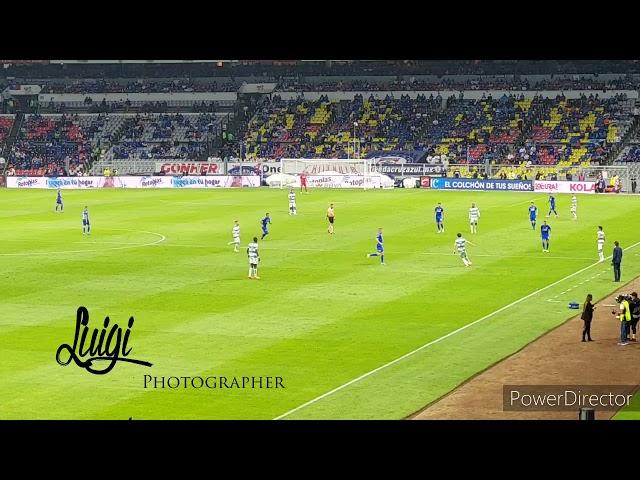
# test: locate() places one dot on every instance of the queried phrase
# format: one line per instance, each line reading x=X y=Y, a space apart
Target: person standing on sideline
x=625 y=319
x=616 y=261
x=303 y=183
x=587 y=316
x=331 y=215
x=634 y=306
x=634 y=184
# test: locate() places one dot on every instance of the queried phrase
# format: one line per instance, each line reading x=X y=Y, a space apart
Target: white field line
x=126 y=246
x=437 y=340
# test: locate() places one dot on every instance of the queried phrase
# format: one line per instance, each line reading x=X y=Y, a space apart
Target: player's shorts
x=545 y=239
x=600 y=247
x=438 y=220
x=463 y=254
x=265 y=230
x=532 y=219
x=573 y=209
x=236 y=240
x=85 y=222
x=330 y=219
x=59 y=201
x=380 y=248
x=473 y=220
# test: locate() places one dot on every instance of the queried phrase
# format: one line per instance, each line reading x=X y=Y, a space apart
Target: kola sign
x=564 y=187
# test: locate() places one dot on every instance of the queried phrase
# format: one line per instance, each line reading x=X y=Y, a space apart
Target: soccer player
x=292 y=203
x=460 y=246
x=440 y=218
x=254 y=258
x=303 y=183
x=265 y=226
x=86 y=226
x=533 y=214
x=574 y=207
x=379 y=248
x=59 y=201
x=235 y=232
x=474 y=215
x=331 y=215
x=600 y=244
x=545 y=233
x=552 y=206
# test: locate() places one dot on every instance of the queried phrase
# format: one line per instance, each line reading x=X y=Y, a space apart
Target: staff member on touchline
x=616 y=261
x=587 y=316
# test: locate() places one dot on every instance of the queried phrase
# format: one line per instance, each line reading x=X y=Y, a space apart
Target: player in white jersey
x=235 y=233
x=460 y=247
x=254 y=258
x=574 y=207
x=601 y=244
x=474 y=215
x=292 y=203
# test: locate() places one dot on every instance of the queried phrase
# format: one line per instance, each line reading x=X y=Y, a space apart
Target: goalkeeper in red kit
x=303 y=183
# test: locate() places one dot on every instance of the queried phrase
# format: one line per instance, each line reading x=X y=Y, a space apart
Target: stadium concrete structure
x=497 y=133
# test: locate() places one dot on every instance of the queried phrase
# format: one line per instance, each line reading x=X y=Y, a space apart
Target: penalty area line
x=437 y=340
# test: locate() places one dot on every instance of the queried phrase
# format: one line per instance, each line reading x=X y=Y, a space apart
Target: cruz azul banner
x=482 y=184
x=550 y=186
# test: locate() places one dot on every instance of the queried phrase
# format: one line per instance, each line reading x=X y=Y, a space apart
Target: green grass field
x=321 y=316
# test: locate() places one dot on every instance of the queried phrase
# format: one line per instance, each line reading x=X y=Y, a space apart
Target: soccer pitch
x=332 y=323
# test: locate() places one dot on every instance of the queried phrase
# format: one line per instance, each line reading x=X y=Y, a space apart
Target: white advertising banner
x=562 y=186
x=342 y=181
x=133 y=182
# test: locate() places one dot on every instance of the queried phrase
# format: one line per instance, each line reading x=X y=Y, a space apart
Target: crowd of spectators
x=511 y=83
x=139 y=86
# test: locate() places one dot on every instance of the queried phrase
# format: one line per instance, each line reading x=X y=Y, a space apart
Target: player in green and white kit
x=460 y=246
x=574 y=207
x=254 y=258
x=474 y=215
x=293 y=210
x=235 y=232
x=601 y=244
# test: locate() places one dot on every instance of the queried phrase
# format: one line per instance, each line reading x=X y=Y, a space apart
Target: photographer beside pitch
x=634 y=306
x=625 y=318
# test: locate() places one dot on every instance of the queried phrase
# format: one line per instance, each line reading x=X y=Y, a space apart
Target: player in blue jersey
x=440 y=218
x=533 y=213
x=86 y=226
x=379 y=248
x=265 y=226
x=552 y=205
x=59 y=201
x=545 y=233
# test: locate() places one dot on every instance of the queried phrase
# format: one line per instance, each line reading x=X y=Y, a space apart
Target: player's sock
x=382 y=258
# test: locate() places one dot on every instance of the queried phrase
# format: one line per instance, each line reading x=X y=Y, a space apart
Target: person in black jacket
x=616 y=261
x=587 y=316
